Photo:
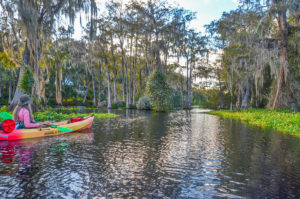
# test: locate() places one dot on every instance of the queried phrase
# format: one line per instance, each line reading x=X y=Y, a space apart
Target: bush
x=144 y=104
x=159 y=91
x=119 y=104
x=132 y=106
x=3 y=109
x=176 y=99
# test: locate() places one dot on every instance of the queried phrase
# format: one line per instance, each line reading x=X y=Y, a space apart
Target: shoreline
x=284 y=121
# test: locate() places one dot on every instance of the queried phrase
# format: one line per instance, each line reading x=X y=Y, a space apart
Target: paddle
x=62 y=129
x=6 y=115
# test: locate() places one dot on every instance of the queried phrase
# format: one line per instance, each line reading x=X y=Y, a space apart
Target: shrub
x=176 y=99
x=159 y=91
x=144 y=104
x=119 y=104
x=3 y=109
x=132 y=106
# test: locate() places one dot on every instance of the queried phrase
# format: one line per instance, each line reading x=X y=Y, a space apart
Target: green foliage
x=131 y=106
x=27 y=80
x=51 y=115
x=3 y=109
x=284 y=121
x=209 y=98
x=102 y=97
x=119 y=104
x=176 y=99
x=144 y=104
x=159 y=91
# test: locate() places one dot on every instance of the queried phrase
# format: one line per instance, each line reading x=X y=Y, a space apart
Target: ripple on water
x=182 y=154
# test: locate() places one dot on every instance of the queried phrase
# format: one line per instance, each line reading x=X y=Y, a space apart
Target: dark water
x=183 y=154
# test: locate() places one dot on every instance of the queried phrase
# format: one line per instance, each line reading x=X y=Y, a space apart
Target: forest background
x=144 y=54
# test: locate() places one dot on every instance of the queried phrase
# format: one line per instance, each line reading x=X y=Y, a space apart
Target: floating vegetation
x=51 y=115
x=284 y=121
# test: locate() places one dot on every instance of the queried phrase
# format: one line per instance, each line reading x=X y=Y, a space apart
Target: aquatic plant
x=53 y=116
x=284 y=121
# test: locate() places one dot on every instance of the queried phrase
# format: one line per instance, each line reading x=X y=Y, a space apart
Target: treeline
x=257 y=46
x=259 y=57
x=121 y=47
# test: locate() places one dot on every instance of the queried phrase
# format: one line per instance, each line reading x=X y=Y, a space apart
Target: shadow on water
x=181 y=154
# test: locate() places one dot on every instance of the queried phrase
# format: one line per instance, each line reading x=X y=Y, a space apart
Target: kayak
x=19 y=134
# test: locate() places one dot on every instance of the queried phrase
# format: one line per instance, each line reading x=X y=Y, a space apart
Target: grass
x=54 y=116
x=47 y=115
x=284 y=120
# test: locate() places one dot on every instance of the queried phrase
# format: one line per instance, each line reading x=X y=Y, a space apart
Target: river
x=141 y=154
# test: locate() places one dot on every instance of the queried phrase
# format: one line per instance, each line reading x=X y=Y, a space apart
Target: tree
x=159 y=91
x=37 y=20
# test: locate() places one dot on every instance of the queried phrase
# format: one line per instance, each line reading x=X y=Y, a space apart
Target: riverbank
x=53 y=115
x=284 y=121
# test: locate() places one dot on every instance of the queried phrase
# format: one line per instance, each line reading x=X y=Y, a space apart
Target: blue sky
x=207 y=10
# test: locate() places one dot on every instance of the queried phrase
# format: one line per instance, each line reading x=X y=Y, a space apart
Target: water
x=182 y=154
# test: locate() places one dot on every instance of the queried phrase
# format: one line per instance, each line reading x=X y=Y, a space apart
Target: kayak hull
x=20 y=134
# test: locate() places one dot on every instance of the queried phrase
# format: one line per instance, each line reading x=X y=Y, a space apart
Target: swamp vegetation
x=285 y=121
x=145 y=54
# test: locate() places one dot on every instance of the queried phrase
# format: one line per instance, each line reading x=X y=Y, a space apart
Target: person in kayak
x=23 y=114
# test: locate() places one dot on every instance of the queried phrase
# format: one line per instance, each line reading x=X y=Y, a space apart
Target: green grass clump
x=47 y=115
x=283 y=120
x=3 y=109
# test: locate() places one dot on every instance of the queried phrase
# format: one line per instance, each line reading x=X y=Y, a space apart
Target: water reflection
x=182 y=154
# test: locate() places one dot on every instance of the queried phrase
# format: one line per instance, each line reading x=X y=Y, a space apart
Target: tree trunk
x=237 y=104
x=284 y=96
x=42 y=85
x=58 y=79
x=130 y=88
x=141 y=81
x=9 y=92
x=86 y=92
x=134 y=86
x=36 y=71
x=115 y=87
x=221 y=95
x=94 y=89
x=220 y=90
x=100 y=85
x=108 y=85
x=0 y=90
x=123 y=82
x=127 y=89
x=245 y=95
x=231 y=86
x=190 y=85
x=157 y=52
x=19 y=90
x=187 y=84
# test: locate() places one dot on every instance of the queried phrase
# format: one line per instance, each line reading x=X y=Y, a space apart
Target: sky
x=207 y=11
